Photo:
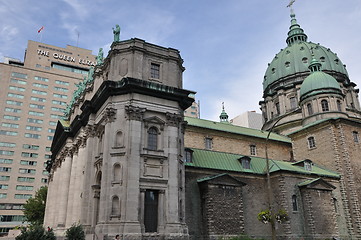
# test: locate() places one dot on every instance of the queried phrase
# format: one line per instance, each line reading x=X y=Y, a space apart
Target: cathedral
x=125 y=159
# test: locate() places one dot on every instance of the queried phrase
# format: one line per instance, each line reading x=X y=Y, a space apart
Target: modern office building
x=34 y=94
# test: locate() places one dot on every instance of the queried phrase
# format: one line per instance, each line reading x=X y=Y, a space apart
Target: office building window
x=12 y=102
x=52 y=123
x=4 y=186
x=61 y=89
x=56 y=116
x=22 y=82
x=41 y=79
x=9 y=117
x=6 y=152
x=13 y=95
x=31 y=135
x=50 y=138
x=7 y=144
x=40 y=114
x=30 y=155
x=155 y=70
x=30 y=163
x=38 y=99
x=39 y=92
x=60 y=96
x=6 y=160
x=19 y=75
x=5 y=169
x=26 y=179
x=8 y=133
x=56 y=109
x=22 y=196
x=13 y=110
x=33 y=128
x=40 y=85
x=10 y=125
x=59 y=102
x=37 y=106
x=3 y=195
x=44 y=180
x=62 y=82
x=4 y=178
x=24 y=188
x=34 y=120
x=14 y=88
x=27 y=171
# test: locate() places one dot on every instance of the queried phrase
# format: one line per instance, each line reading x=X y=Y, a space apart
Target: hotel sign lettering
x=67 y=58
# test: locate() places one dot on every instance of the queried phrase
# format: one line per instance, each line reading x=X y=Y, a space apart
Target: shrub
x=36 y=232
x=75 y=232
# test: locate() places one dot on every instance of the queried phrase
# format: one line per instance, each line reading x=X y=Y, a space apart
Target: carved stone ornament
x=90 y=131
x=109 y=114
x=134 y=112
x=173 y=119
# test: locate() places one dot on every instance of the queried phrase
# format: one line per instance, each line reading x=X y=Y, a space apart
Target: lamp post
x=269 y=190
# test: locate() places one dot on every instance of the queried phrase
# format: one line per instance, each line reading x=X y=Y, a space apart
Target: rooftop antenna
x=290 y=5
x=77 y=40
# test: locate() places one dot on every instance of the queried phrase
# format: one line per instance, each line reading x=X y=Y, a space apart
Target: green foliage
x=34 y=208
x=36 y=232
x=267 y=216
x=75 y=232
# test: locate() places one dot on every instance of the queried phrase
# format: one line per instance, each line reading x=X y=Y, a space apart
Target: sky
x=226 y=44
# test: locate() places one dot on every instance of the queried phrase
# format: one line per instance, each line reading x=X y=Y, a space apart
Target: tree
x=75 y=232
x=34 y=208
x=35 y=232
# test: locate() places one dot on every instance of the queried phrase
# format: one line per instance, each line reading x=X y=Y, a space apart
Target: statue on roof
x=100 y=56
x=116 y=32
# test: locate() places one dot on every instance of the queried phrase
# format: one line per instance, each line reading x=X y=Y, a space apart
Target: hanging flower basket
x=281 y=216
x=265 y=216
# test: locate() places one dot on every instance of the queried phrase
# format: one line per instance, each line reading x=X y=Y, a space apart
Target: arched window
x=118 y=139
x=245 y=162
x=189 y=155
x=115 y=206
x=152 y=138
x=309 y=109
x=324 y=106
x=339 y=105
x=311 y=142
x=294 y=203
x=117 y=172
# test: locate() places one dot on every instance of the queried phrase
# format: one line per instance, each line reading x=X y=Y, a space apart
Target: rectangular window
x=60 y=96
x=41 y=79
x=13 y=110
x=4 y=186
x=33 y=128
x=56 y=116
x=40 y=85
x=51 y=130
x=50 y=138
x=39 y=92
x=34 y=120
x=24 y=188
x=29 y=146
x=10 y=125
x=14 y=88
x=208 y=143
x=31 y=155
x=60 y=89
x=5 y=169
x=47 y=149
x=311 y=142
x=154 y=70
x=253 y=150
x=13 y=80
x=13 y=95
x=27 y=171
x=44 y=180
x=7 y=144
x=12 y=102
x=59 y=103
x=355 y=136
x=7 y=153
x=38 y=99
x=19 y=75
x=4 y=178
x=30 y=163
x=37 y=106
x=3 y=195
x=9 y=117
x=31 y=135
x=26 y=179
x=52 y=123
x=23 y=196
x=6 y=161
x=70 y=69
x=151 y=211
x=45 y=172
x=40 y=114
x=12 y=218
x=62 y=82
x=8 y=133
x=56 y=109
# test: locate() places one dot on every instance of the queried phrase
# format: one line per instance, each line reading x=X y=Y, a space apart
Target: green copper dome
x=296 y=57
x=319 y=82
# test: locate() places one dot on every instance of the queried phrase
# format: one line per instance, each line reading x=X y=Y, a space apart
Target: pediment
x=154 y=120
x=318 y=184
x=220 y=179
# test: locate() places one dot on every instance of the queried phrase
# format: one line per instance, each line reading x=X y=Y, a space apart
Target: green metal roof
x=296 y=57
x=226 y=127
x=307 y=182
x=230 y=162
x=319 y=82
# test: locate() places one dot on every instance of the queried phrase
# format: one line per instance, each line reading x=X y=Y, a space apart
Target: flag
x=41 y=29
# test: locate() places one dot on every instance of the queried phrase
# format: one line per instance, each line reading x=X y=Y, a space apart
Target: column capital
x=134 y=112
x=110 y=114
x=173 y=119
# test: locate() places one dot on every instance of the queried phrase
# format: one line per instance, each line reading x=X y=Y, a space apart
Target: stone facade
x=116 y=164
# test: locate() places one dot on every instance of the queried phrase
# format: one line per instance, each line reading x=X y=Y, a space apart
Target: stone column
x=104 y=211
x=72 y=182
x=56 y=193
x=64 y=190
x=161 y=212
x=50 y=204
x=141 y=207
x=79 y=181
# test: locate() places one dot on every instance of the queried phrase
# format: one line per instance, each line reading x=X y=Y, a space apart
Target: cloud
x=81 y=9
x=8 y=32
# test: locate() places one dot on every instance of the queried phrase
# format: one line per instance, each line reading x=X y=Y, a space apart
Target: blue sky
x=226 y=44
